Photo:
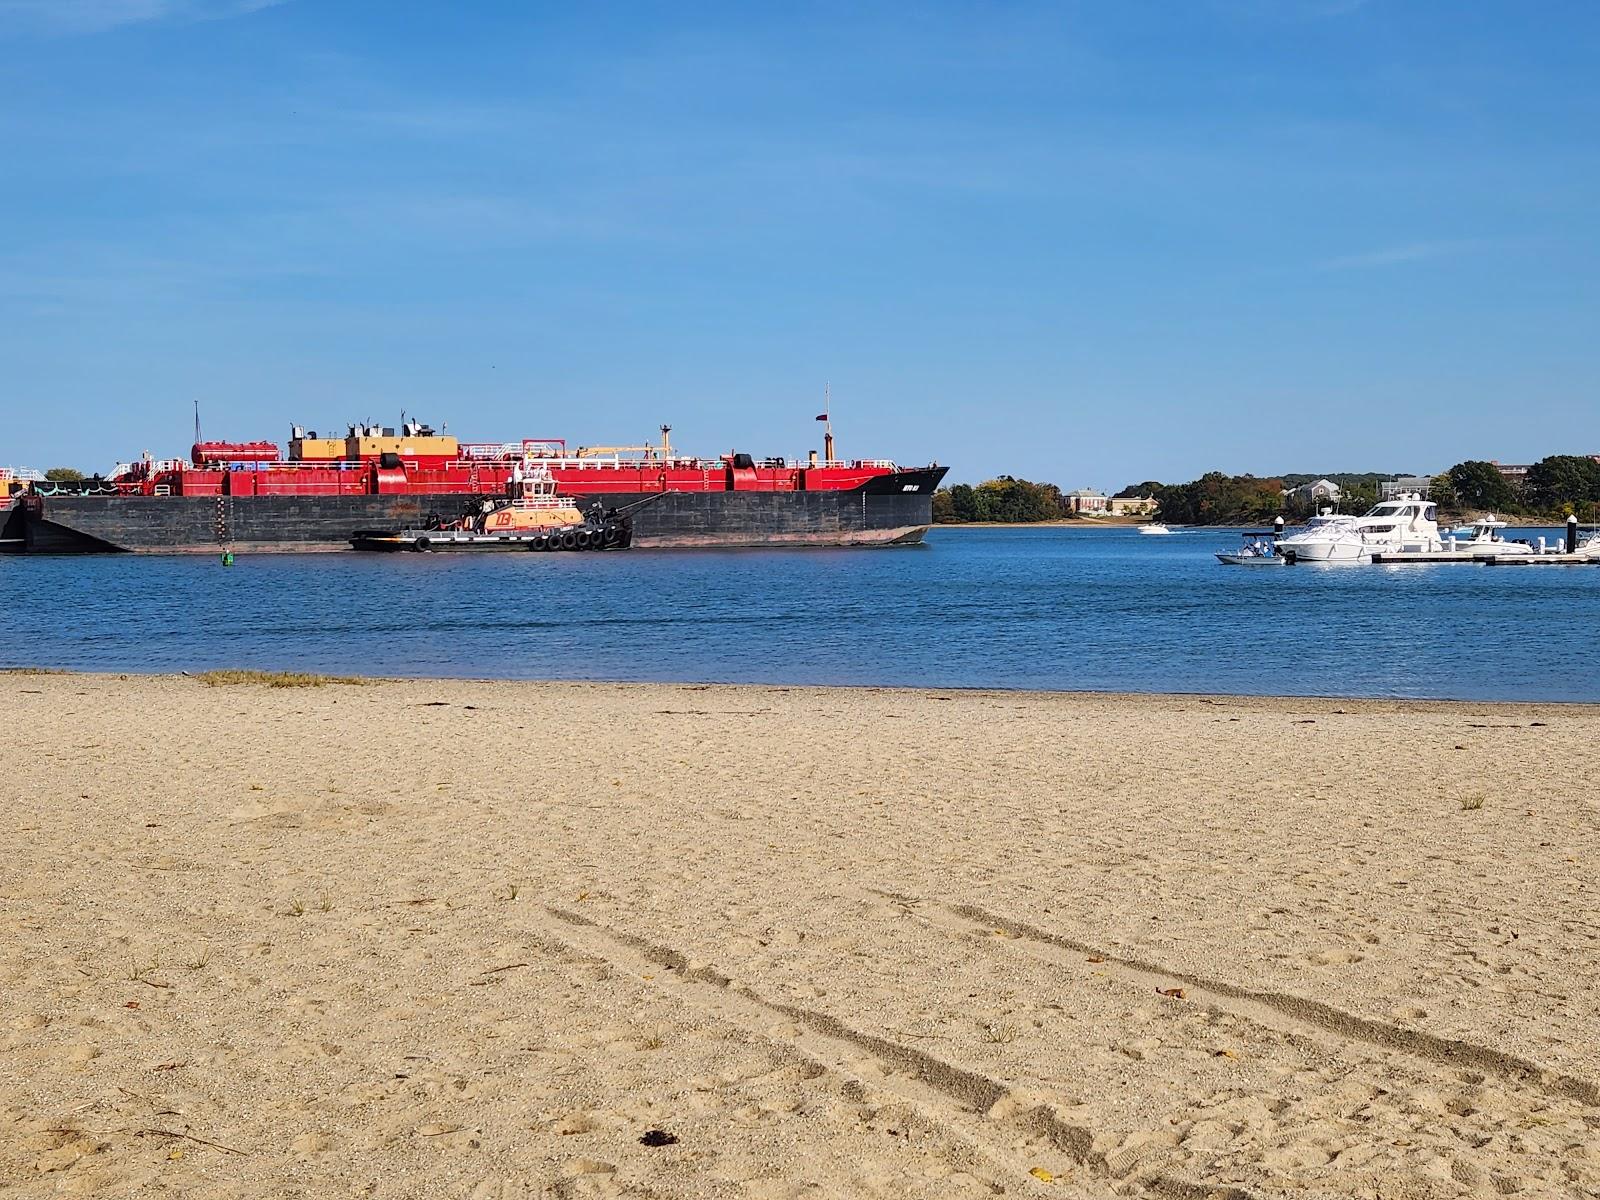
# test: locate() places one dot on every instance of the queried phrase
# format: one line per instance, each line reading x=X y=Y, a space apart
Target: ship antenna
x=827 y=424
x=197 y=422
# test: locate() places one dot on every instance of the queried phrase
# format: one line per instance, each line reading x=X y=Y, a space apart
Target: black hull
x=12 y=537
x=890 y=510
x=588 y=538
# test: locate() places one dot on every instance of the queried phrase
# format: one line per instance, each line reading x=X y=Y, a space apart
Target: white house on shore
x=1131 y=506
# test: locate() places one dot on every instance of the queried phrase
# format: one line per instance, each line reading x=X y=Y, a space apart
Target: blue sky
x=1085 y=242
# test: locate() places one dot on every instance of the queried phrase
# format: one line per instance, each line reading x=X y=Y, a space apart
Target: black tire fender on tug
x=569 y=540
x=423 y=544
x=541 y=542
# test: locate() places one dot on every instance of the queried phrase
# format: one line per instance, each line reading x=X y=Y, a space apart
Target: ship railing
x=843 y=464
x=677 y=463
x=480 y=452
x=281 y=464
x=507 y=454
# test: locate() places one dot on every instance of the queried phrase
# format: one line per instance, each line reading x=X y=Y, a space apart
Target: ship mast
x=827 y=424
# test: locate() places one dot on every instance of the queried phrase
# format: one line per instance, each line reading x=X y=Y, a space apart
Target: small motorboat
x=1154 y=528
x=1259 y=550
x=531 y=517
x=1487 y=535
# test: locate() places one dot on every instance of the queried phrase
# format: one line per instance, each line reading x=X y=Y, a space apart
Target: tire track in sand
x=1278 y=1010
x=976 y=1110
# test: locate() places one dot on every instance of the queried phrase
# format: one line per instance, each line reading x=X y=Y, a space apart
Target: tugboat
x=531 y=517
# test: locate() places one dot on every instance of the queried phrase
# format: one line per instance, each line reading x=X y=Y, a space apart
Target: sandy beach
x=515 y=940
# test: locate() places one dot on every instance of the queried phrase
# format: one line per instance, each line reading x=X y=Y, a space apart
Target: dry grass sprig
x=275 y=679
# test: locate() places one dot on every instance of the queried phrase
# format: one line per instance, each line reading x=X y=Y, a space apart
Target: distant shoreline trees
x=1005 y=500
x=1553 y=488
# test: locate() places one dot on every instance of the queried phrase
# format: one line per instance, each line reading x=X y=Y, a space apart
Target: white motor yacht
x=1405 y=523
x=1154 y=527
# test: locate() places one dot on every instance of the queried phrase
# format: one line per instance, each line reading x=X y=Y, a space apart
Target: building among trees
x=1421 y=485
x=1087 y=500
x=1318 y=491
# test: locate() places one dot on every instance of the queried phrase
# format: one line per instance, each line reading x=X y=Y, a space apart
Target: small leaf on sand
x=1225 y=1054
x=1174 y=993
x=1097 y=958
x=1042 y=1175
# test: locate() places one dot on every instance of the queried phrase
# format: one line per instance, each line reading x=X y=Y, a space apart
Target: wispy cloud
x=1389 y=256
x=64 y=18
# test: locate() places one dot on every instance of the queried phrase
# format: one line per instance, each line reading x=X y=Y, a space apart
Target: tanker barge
x=253 y=497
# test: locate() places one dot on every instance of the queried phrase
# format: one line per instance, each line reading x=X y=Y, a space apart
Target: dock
x=1554 y=560
x=1489 y=558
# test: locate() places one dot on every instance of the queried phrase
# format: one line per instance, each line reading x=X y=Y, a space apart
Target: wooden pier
x=1489 y=558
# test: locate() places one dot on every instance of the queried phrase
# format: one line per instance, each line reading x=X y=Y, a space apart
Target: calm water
x=1025 y=608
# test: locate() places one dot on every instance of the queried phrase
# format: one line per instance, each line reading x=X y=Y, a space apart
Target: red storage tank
x=202 y=453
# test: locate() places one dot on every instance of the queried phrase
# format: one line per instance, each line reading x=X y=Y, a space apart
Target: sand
x=480 y=939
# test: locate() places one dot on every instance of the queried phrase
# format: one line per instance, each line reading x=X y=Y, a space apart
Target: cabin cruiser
x=1154 y=527
x=1406 y=522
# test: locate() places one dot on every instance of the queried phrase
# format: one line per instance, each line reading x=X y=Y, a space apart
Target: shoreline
x=1059 y=523
x=1134 y=522
x=335 y=677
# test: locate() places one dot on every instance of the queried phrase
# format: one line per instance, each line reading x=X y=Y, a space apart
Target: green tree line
x=1552 y=488
x=1003 y=499
x=1218 y=499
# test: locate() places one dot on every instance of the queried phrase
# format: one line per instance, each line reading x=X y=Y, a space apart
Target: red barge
x=252 y=496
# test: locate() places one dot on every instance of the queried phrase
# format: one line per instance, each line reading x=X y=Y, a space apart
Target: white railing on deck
x=506 y=454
